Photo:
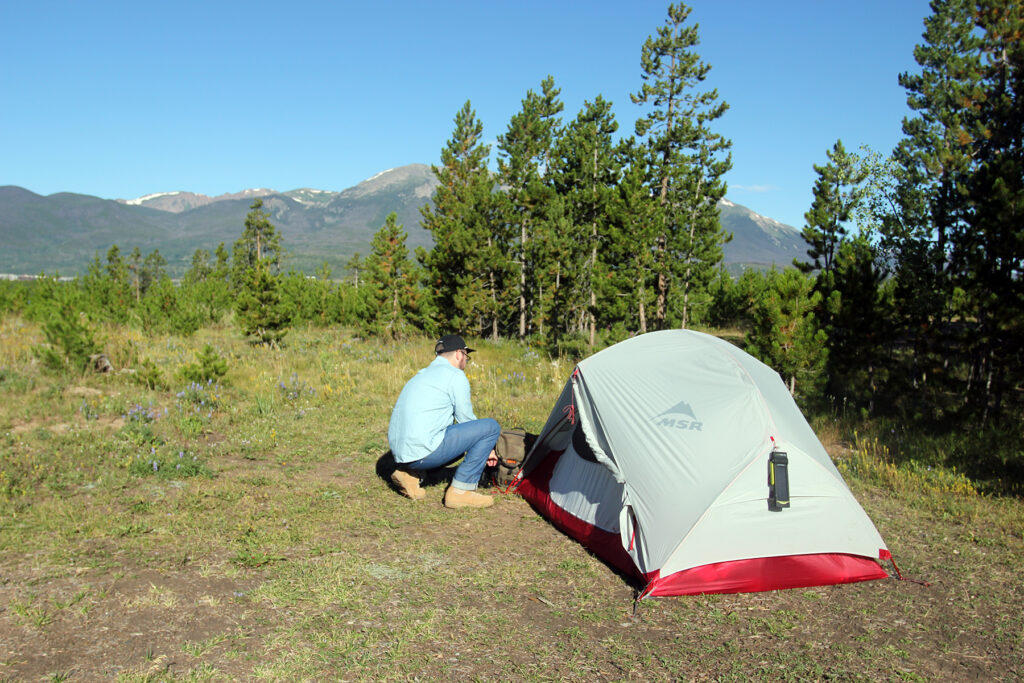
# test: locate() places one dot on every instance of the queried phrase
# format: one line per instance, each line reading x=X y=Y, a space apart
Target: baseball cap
x=451 y=342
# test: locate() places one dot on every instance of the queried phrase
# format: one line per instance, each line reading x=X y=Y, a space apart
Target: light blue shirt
x=436 y=396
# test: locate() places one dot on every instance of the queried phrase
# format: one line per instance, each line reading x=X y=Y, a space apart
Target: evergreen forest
x=905 y=320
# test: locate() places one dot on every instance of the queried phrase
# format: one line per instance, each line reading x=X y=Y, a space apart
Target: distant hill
x=759 y=241
x=62 y=232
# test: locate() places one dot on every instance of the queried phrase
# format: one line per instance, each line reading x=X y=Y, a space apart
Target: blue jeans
x=476 y=439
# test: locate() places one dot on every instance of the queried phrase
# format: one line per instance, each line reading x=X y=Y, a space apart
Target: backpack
x=511 y=450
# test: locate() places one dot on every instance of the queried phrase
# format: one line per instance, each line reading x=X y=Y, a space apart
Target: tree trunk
x=689 y=263
x=686 y=305
x=394 y=309
x=539 y=320
x=494 y=301
x=593 y=255
x=522 y=281
x=662 y=243
x=642 y=311
x=660 y=302
x=593 y=293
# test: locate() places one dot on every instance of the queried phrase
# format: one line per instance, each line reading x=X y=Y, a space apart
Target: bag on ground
x=511 y=450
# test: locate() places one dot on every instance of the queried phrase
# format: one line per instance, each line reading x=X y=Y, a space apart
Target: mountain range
x=63 y=232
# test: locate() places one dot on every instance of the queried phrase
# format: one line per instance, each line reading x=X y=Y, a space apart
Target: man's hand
x=492 y=459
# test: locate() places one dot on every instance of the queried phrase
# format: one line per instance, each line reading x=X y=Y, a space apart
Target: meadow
x=155 y=527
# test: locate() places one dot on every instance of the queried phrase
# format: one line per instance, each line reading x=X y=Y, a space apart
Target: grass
x=277 y=551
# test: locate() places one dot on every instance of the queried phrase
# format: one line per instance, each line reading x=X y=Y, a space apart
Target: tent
x=668 y=456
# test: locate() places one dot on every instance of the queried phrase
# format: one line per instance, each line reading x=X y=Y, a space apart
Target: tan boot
x=408 y=484
x=457 y=498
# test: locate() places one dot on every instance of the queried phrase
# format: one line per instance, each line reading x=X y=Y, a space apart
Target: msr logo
x=679 y=416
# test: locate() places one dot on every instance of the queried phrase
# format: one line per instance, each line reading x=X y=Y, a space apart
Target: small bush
x=164 y=309
x=70 y=340
x=149 y=375
x=209 y=366
x=574 y=348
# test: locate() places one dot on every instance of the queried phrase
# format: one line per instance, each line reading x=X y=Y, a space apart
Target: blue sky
x=122 y=99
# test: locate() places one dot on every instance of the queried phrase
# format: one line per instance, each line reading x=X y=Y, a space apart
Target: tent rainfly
x=669 y=455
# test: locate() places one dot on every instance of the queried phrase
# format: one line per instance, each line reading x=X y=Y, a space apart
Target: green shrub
x=260 y=310
x=209 y=365
x=573 y=347
x=149 y=375
x=12 y=296
x=70 y=340
x=165 y=309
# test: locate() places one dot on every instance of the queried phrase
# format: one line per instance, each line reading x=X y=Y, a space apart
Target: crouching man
x=423 y=437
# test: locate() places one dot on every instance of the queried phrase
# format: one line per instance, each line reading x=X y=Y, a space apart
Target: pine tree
x=355 y=269
x=260 y=243
x=391 y=281
x=261 y=311
x=299 y=295
x=463 y=267
x=154 y=268
x=70 y=337
x=205 y=285
x=523 y=156
x=109 y=297
x=208 y=366
x=733 y=299
x=632 y=232
x=585 y=175
x=838 y=192
x=323 y=287
x=346 y=306
x=134 y=266
x=167 y=308
x=962 y=202
x=552 y=268
x=786 y=336
x=859 y=327
x=688 y=162
x=222 y=266
x=849 y=276
x=116 y=268
x=143 y=272
x=201 y=267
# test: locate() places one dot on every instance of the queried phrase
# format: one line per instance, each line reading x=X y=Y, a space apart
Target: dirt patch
x=102 y=422
x=26 y=426
x=97 y=625
x=88 y=392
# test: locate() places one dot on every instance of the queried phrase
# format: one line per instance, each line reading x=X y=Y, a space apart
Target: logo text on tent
x=680 y=416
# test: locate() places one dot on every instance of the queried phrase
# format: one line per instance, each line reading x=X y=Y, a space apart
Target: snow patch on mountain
x=378 y=175
x=139 y=201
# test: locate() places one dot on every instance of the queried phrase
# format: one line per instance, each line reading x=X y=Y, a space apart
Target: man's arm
x=460 y=397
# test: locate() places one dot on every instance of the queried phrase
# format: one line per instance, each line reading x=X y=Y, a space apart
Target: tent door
x=629 y=532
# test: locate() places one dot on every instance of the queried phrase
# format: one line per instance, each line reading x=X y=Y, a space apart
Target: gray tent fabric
x=683 y=423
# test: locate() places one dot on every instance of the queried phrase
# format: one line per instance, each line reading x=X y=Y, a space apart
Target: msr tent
x=669 y=456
